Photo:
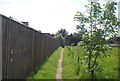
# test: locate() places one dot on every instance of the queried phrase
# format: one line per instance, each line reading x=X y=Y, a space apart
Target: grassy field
x=72 y=69
x=48 y=69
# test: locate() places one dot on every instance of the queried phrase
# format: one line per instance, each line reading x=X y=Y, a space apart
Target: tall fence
x=23 y=49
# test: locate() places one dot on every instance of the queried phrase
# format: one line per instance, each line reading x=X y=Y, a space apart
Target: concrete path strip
x=59 y=70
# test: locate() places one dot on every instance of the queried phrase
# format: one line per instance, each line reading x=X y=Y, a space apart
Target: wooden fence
x=23 y=49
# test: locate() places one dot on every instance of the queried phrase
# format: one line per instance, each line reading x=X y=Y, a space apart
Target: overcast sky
x=45 y=15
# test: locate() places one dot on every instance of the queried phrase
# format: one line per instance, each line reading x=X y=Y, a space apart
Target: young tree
x=98 y=23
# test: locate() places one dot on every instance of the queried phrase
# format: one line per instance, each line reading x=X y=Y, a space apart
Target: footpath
x=59 y=70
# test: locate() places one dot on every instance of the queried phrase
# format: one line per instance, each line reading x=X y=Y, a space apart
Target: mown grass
x=48 y=69
x=74 y=70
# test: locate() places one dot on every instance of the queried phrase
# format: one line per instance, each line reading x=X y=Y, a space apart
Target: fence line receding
x=23 y=49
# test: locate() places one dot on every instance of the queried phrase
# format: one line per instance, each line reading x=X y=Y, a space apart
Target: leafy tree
x=61 y=36
x=65 y=39
x=95 y=25
x=73 y=39
x=61 y=39
x=63 y=32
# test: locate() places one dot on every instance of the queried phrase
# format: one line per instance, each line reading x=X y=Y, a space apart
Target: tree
x=63 y=32
x=98 y=23
x=61 y=39
x=61 y=36
x=73 y=39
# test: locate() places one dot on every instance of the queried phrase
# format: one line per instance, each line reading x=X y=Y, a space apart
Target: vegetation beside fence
x=72 y=69
x=49 y=67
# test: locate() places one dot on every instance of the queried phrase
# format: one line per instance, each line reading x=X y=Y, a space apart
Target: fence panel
x=0 y=47
x=23 y=49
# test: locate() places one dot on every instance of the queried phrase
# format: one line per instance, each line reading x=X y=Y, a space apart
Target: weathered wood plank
x=0 y=47
x=23 y=48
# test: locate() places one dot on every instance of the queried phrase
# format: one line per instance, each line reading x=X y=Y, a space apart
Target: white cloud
x=45 y=15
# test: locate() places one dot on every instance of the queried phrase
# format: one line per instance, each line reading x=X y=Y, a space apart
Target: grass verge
x=48 y=69
x=74 y=70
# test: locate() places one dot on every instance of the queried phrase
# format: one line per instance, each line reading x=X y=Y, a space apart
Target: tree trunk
x=78 y=67
x=92 y=75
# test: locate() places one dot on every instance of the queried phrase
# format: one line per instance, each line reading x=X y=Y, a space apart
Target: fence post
x=33 y=33
x=0 y=47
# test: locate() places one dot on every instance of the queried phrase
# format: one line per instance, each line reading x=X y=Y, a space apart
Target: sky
x=49 y=16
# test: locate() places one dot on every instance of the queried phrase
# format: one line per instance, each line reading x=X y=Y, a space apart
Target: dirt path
x=59 y=70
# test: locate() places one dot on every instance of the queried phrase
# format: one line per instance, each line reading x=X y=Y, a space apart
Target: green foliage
x=111 y=40
x=70 y=63
x=95 y=26
x=49 y=68
x=63 y=32
x=65 y=39
x=72 y=69
x=73 y=39
x=110 y=65
x=61 y=36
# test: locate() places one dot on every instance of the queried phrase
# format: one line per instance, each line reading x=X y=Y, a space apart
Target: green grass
x=115 y=45
x=48 y=69
x=111 y=65
x=74 y=70
x=69 y=65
